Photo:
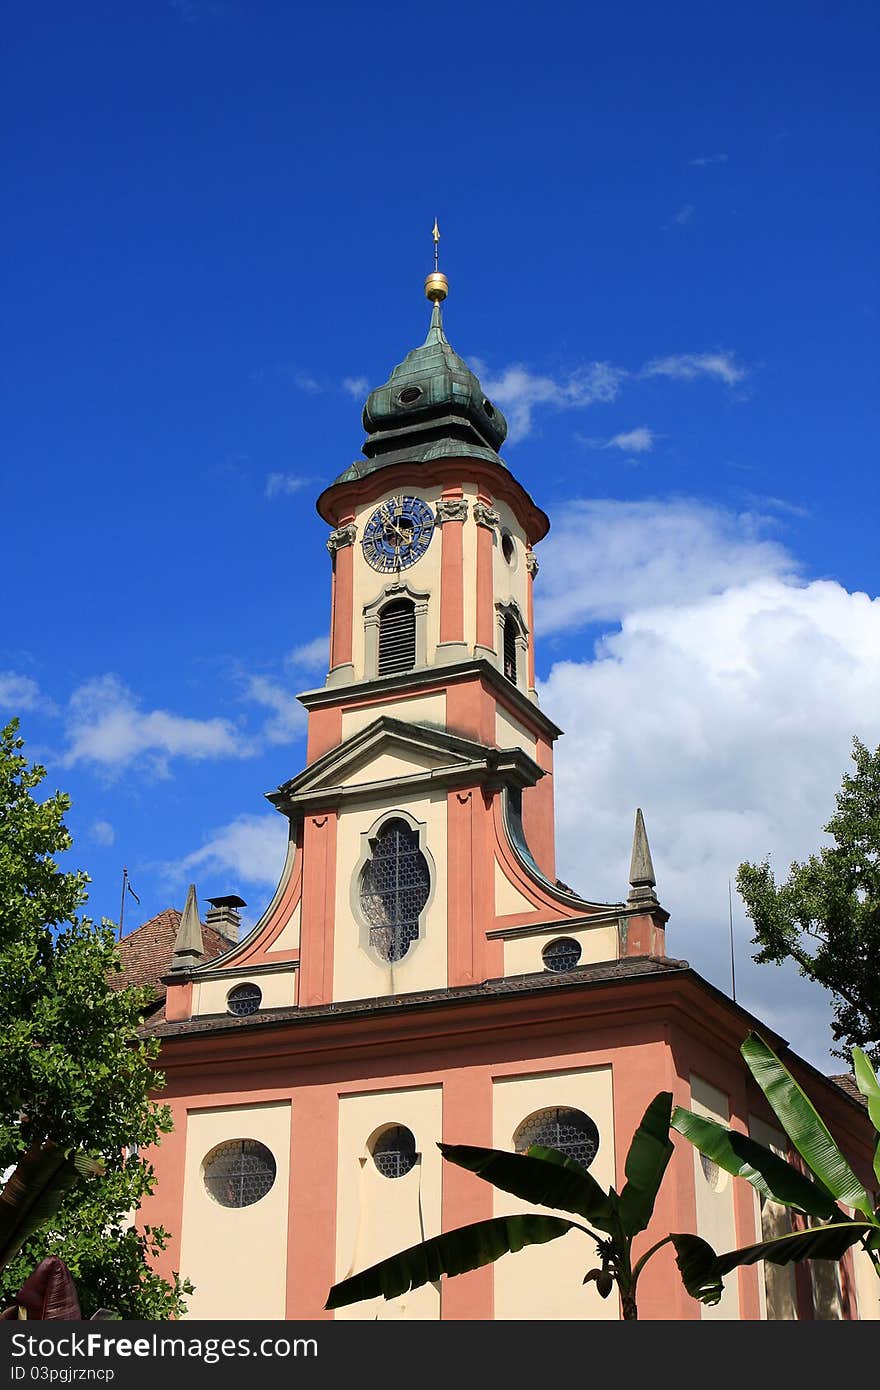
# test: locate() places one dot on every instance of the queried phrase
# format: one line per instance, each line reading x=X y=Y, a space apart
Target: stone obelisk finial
x=189 y=946
x=641 y=869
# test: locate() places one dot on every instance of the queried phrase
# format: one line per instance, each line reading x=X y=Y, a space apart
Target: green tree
x=74 y=1071
x=826 y=915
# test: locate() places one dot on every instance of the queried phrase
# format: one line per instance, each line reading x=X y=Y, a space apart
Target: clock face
x=398 y=533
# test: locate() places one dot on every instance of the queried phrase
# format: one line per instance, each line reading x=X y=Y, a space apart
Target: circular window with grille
x=570 y=1132
x=562 y=954
x=239 y=1172
x=394 y=1151
x=244 y=999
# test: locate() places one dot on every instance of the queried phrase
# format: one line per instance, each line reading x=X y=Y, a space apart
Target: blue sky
x=660 y=227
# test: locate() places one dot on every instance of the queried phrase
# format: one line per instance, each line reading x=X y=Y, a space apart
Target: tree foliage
x=826 y=915
x=73 y=1069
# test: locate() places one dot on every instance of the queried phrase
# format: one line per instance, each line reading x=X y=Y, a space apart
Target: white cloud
x=288 y=716
x=19 y=693
x=356 y=386
x=307 y=383
x=703 y=161
x=102 y=833
x=725 y=709
x=604 y=559
x=283 y=484
x=518 y=390
x=687 y=366
x=107 y=727
x=250 y=849
x=310 y=656
x=638 y=441
x=684 y=215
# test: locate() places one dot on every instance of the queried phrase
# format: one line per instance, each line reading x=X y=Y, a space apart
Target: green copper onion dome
x=431 y=395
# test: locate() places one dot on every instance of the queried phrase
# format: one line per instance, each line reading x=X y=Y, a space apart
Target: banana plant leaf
x=454 y=1252
x=870 y=1089
x=769 y=1174
x=649 y=1153
x=35 y=1191
x=542 y=1176
x=703 y=1271
x=802 y=1123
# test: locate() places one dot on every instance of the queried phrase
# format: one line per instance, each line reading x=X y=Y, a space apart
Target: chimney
x=224 y=915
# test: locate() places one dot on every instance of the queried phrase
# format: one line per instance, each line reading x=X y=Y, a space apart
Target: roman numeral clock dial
x=398 y=534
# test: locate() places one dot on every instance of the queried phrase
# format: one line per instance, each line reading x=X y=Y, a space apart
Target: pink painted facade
x=468 y=1032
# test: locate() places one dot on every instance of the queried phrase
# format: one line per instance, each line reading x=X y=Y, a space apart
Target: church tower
x=420 y=974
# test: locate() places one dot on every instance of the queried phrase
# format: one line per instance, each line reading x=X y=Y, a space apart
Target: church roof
x=147 y=952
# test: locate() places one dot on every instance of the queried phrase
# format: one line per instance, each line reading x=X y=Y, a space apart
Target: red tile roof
x=847 y=1083
x=148 y=951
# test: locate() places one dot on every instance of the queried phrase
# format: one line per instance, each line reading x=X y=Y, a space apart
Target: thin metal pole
x=122 y=900
x=732 y=959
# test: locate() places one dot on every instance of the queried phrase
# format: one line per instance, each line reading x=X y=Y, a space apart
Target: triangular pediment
x=387 y=749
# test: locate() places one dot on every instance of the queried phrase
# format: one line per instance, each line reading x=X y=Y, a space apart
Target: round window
x=562 y=954
x=410 y=394
x=239 y=1172
x=489 y=408
x=570 y=1132
x=244 y=999
x=508 y=549
x=394 y=1151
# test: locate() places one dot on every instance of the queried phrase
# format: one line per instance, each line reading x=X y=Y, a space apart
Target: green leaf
x=35 y=1190
x=805 y=1128
x=696 y=1261
x=542 y=1176
x=703 y=1271
x=867 y=1084
x=649 y=1153
x=769 y=1174
x=454 y=1252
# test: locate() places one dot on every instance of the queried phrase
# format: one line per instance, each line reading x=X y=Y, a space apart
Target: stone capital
x=486 y=516
x=341 y=537
x=532 y=563
x=451 y=509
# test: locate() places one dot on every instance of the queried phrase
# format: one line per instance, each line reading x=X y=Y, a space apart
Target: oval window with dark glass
x=570 y=1132
x=394 y=1151
x=395 y=886
x=508 y=549
x=489 y=409
x=410 y=394
x=239 y=1172
x=244 y=999
x=562 y=954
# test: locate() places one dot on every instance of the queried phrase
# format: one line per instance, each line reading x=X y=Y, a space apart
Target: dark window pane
x=239 y=1173
x=394 y=889
x=571 y=1132
x=394 y=1152
x=563 y=954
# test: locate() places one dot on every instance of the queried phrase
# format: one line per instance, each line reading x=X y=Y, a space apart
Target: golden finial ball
x=436 y=287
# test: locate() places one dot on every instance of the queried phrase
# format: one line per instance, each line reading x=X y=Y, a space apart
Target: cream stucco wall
x=288 y=937
x=377 y=1216
x=715 y=1211
x=867 y=1286
x=522 y=955
x=278 y=988
x=421 y=709
x=356 y=973
x=544 y=1282
x=236 y=1257
x=368 y=585
x=776 y=1283
x=509 y=733
x=511 y=581
x=387 y=766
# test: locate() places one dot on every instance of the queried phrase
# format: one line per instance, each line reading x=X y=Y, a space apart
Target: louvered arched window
x=395 y=886
x=397 y=637
x=510 y=636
